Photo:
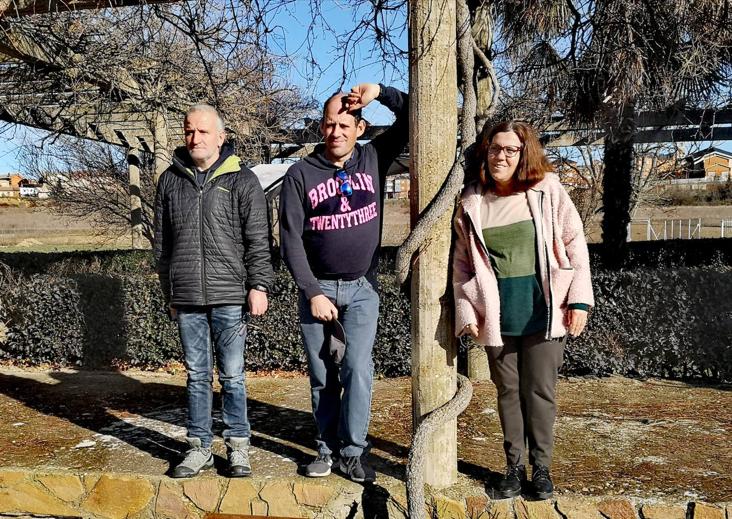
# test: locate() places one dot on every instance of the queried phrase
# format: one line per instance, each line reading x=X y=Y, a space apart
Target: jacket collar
x=473 y=193
x=543 y=184
x=471 y=198
x=226 y=163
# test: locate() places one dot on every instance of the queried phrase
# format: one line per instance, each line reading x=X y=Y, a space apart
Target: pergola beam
x=18 y=8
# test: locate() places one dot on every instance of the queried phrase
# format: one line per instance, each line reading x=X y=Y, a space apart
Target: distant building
x=15 y=186
x=397 y=186
x=10 y=185
x=33 y=189
x=711 y=164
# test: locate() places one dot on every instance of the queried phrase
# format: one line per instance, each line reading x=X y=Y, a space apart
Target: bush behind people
x=666 y=314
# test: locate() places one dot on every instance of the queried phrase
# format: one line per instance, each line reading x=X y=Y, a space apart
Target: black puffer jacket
x=211 y=242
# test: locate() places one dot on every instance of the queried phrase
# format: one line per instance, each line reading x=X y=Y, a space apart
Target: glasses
x=510 y=151
x=344 y=182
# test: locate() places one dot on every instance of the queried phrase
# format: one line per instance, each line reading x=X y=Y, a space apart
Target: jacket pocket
x=470 y=292
x=561 y=281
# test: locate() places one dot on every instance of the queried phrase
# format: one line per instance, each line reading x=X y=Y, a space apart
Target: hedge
x=665 y=313
x=106 y=309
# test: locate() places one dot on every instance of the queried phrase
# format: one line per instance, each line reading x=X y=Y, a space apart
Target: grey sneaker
x=238 y=453
x=356 y=469
x=197 y=458
x=319 y=467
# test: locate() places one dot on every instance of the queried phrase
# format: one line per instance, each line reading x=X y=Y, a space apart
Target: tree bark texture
x=617 y=184
x=433 y=113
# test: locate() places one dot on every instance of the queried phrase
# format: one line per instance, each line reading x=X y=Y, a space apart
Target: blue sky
x=289 y=37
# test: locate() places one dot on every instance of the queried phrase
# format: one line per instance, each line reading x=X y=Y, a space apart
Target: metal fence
x=682 y=229
x=726 y=226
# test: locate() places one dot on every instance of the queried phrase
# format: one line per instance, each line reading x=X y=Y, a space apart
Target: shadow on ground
x=613 y=436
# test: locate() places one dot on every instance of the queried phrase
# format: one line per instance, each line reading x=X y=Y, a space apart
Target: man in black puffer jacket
x=212 y=253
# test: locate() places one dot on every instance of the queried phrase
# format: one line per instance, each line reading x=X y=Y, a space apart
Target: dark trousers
x=524 y=371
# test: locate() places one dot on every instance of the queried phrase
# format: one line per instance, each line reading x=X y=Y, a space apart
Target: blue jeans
x=222 y=327
x=341 y=395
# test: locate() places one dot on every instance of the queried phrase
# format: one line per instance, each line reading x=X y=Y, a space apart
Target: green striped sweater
x=510 y=237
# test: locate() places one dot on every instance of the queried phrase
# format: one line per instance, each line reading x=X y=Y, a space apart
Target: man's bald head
x=340 y=99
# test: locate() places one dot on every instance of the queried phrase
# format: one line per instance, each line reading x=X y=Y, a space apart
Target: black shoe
x=542 y=482
x=510 y=483
x=356 y=469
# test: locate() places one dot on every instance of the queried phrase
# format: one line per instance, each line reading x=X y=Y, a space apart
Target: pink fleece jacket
x=563 y=261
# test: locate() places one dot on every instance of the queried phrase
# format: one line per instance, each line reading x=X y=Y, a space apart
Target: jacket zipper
x=479 y=236
x=200 y=240
x=546 y=266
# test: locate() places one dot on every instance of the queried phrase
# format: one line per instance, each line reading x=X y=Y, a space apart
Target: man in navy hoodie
x=330 y=227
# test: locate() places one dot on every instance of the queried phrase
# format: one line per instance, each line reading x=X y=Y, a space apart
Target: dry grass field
x=35 y=227
x=38 y=228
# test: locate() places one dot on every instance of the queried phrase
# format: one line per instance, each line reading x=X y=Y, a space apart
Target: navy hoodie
x=328 y=236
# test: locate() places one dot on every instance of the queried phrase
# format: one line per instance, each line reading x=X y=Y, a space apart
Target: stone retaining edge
x=118 y=496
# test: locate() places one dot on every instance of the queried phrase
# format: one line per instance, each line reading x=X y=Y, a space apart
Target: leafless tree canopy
x=582 y=170
x=590 y=60
x=578 y=56
x=90 y=179
x=77 y=71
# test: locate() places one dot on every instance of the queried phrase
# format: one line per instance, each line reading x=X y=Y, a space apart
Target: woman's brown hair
x=533 y=164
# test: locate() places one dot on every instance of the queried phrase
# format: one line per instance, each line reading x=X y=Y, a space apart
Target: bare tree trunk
x=617 y=182
x=478 y=368
x=433 y=113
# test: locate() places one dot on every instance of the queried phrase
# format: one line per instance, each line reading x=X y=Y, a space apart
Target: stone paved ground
x=77 y=441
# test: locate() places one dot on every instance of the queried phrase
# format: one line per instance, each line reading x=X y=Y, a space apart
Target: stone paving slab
x=74 y=443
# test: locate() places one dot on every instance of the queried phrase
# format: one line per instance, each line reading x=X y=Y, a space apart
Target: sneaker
x=319 y=467
x=542 y=482
x=510 y=484
x=197 y=458
x=357 y=469
x=237 y=450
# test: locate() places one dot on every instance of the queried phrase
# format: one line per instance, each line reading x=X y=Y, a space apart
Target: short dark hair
x=533 y=164
x=342 y=97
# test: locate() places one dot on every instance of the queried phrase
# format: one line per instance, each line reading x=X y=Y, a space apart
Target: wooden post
x=433 y=120
x=160 y=145
x=133 y=165
x=478 y=364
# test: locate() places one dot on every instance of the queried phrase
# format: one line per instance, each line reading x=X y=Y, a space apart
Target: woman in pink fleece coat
x=521 y=278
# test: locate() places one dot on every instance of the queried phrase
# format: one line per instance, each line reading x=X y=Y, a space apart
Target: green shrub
x=43 y=322
x=665 y=313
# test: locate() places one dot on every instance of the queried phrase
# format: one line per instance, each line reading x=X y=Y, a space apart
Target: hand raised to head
x=362 y=94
